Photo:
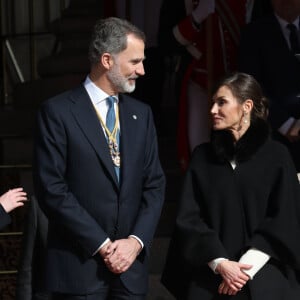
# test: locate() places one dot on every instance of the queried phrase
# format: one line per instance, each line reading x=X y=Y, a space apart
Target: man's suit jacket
x=264 y=53
x=77 y=187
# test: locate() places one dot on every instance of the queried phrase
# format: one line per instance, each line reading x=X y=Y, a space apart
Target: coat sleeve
x=198 y=243
x=5 y=218
x=278 y=234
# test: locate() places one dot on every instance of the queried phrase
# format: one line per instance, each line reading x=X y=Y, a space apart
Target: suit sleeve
x=153 y=188
x=5 y=218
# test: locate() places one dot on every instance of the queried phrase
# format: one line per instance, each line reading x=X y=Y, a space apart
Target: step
x=8 y=285
x=10 y=245
x=156 y=290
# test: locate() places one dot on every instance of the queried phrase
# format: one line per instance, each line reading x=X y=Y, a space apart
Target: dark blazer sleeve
x=31 y=271
x=153 y=187
x=5 y=218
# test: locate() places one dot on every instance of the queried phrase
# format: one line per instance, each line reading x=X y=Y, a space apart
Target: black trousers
x=114 y=291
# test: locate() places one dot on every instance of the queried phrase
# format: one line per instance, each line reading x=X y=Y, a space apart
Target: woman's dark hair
x=243 y=86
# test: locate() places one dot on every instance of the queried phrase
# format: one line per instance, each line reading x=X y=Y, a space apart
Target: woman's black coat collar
x=225 y=149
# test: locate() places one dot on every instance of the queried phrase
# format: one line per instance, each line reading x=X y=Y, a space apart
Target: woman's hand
x=233 y=276
x=13 y=199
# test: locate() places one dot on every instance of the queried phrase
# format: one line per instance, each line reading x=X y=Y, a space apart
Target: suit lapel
x=87 y=119
x=128 y=124
x=275 y=28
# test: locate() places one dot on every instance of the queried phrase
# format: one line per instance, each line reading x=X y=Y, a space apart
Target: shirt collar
x=283 y=22
x=96 y=94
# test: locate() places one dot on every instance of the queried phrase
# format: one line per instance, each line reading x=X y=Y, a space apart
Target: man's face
x=128 y=66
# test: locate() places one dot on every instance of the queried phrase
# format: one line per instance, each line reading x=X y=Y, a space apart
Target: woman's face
x=226 y=111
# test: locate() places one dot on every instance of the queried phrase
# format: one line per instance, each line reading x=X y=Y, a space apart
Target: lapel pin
x=134 y=116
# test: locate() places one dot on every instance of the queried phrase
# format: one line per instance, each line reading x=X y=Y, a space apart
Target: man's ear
x=106 y=60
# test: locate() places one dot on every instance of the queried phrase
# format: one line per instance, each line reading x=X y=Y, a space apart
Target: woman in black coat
x=237 y=228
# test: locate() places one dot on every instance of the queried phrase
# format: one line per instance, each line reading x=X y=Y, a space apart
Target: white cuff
x=192 y=49
x=285 y=127
x=256 y=258
x=214 y=263
x=104 y=243
x=138 y=239
x=203 y=10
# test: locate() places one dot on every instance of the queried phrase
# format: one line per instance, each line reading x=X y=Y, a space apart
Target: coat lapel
x=87 y=119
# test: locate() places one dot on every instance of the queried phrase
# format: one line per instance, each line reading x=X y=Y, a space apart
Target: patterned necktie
x=110 y=116
x=295 y=48
x=115 y=134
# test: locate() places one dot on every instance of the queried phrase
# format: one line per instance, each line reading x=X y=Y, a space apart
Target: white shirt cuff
x=285 y=127
x=108 y=240
x=256 y=258
x=104 y=243
x=139 y=240
x=214 y=263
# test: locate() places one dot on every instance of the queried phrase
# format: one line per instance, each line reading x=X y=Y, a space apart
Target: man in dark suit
x=101 y=188
x=267 y=53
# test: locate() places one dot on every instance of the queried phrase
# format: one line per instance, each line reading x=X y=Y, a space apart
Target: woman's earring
x=245 y=119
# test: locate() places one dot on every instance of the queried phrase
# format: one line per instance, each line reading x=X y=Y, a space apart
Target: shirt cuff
x=214 y=263
x=102 y=245
x=139 y=240
x=256 y=258
x=285 y=127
